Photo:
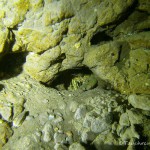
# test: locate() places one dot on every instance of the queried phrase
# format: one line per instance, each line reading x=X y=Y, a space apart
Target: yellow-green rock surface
x=5 y=133
x=106 y=36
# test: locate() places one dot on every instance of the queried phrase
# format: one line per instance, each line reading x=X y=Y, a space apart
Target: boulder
x=140 y=101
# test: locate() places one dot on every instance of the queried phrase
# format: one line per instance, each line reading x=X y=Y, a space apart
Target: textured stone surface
x=144 y=5
x=124 y=120
x=80 y=112
x=60 y=35
x=140 y=101
x=106 y=142
x=14 y=12
x=60 y=43
x=129 y=133
x=5 y=39
x=138 y=72
x=135 y=117
x=50 y=121
x=75 y=146
x=5 y=133
x=43 y=67
x=6 y=112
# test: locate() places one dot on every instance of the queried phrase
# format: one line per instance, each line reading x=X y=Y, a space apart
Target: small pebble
x=51 y=117
x=29 y=117
x=80 y=112
x=60 y=138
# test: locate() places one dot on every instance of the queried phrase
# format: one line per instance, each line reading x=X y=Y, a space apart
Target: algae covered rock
x=5 y=38
x=138 y=71
x=107 y=142
x=6 y=112
x=44 y=67
x=124 y=120
x=75 y=44
x=42 y=26
x=135 y=117
x=14 y=12
x=144 y=5
x=36 y=40
x=75 y=146
x=105 y=36
x=126 y=69
x=140 y=101
x=5 y=133
x=105 y=60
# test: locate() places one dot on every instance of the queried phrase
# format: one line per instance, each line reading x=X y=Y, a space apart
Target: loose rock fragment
x=140 y=101
x=136 y=117
x=6 y=112
x=76 y=146
x=99 y=125
x=60 y=138
x=80 y=112
x=124 y=120
x=47 y=132
x=19 y=119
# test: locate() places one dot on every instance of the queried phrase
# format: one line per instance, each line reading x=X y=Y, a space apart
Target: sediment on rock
x=74 y=74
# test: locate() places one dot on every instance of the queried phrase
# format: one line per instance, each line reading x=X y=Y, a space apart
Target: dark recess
x=100 y=37
x=89 y=146
x=1 y=87
x=146 y=29
x=11 y=64
x=65 y=77
x=142 y=143
x=59 y=59
x=123 y=55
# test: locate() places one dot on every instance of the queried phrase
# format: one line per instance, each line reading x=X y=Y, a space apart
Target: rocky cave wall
x=111 y=38
x=70 y=45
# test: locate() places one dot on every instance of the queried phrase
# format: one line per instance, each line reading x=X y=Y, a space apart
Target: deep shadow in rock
x=12 y=64
x=142 y=143
x=1 y=87
x=100 y=37
x=64 y=78
x=89 y=146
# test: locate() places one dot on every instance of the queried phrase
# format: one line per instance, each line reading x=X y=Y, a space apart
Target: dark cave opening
x=146 y=29
x=64 y=79
x=142 y=142
x=89 y=145
x=100 y=37
x=11 y=64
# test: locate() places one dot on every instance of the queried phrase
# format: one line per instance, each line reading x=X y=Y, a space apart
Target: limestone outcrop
x=74 y=74
x=111 y=38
